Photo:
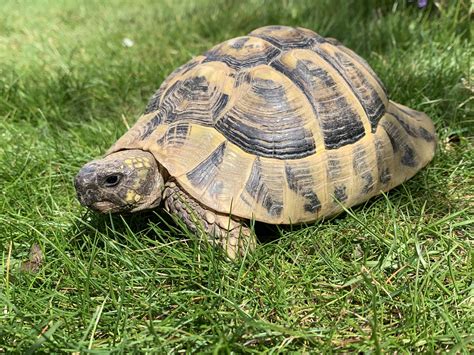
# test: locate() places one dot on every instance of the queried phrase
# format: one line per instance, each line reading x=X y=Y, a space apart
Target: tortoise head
x=126 y=181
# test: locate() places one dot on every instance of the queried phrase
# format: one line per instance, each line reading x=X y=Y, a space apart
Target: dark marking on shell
x=411 y=113
x=253 y=181
x=201 y=100
x=336 y=136
x=239 y=43
x=406 y=126
x=341 y=70
x=241 y=78
x=215 y=188
x=220 y=105
x=340 y=124
x=359 y=162
x=301 y=181
x=393 y=134
x=252 y=59
x=385 y=176
x=368 y=182
x=271 y=92
x=313 y=205
x=245 y=200
x=273 y=207
x=268 y=144
x=362 y=89
x=334 y=168
x=269 y=29
x=409 y=157
x=426 y=135
x=399 y=143
x=264 y=130
x=257 y=188
x=154 y=102
x=182 y=129
x=207 y=170
x=412 y=130
x=333 y=41
x=383 y=171
x=161 y=114
x=295 y=78
x=291 y=178
x=356 y=58
x=194 y=87
x=193 y=100
x=361 y=168
x=340 y=193
x=175 y=134
x=151 y=125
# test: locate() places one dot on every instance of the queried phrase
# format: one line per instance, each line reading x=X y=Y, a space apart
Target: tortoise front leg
x=231 y=233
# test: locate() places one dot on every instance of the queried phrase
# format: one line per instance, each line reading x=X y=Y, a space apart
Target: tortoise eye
x=112 y=180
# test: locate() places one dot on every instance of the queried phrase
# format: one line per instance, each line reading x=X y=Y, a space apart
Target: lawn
x=392 y=275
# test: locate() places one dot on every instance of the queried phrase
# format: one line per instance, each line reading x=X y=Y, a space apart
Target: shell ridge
x=217 y=54
x=343 y=76
x=298 y=77
x=364 y=63
x=285 y=44
x=368 y=94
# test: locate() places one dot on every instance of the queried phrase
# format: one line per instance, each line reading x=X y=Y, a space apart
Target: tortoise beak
x=89 y=193
x=86 y=186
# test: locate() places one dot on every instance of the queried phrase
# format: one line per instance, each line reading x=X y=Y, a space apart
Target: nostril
x=112 y=180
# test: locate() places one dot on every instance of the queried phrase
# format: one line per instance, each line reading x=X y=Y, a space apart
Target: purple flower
x=422 y=3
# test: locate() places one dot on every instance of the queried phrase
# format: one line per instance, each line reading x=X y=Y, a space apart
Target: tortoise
x=281 y=126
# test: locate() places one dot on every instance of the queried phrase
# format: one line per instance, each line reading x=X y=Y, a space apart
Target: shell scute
x=266 y=110
x=365 y=85
x=340 y=115
x=262 y=189
x=155 y=100
x=196 y=96
x=300 y=179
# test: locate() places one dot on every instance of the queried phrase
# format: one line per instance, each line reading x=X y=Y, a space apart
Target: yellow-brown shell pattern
x=281 y=126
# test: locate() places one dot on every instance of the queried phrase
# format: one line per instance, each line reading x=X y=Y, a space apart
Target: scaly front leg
x=230 y=232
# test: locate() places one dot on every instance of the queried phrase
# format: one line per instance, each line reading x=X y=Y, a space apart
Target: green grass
x=392 y=275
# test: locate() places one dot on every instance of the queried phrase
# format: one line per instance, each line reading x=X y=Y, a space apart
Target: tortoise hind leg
x=231 y=233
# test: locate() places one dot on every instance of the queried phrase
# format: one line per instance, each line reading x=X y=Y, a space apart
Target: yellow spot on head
x=142 y=174
x=137 y=198
x=130 y=197
x=137 y=163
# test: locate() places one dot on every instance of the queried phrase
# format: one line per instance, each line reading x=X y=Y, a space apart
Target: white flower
x=127 y=42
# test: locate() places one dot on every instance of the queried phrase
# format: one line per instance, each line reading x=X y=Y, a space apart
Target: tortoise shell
x=281 y=126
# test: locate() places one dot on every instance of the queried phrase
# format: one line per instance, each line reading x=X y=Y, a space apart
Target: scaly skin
x=229 y=232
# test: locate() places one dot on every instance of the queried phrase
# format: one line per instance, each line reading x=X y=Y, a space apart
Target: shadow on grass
x=156 y=225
